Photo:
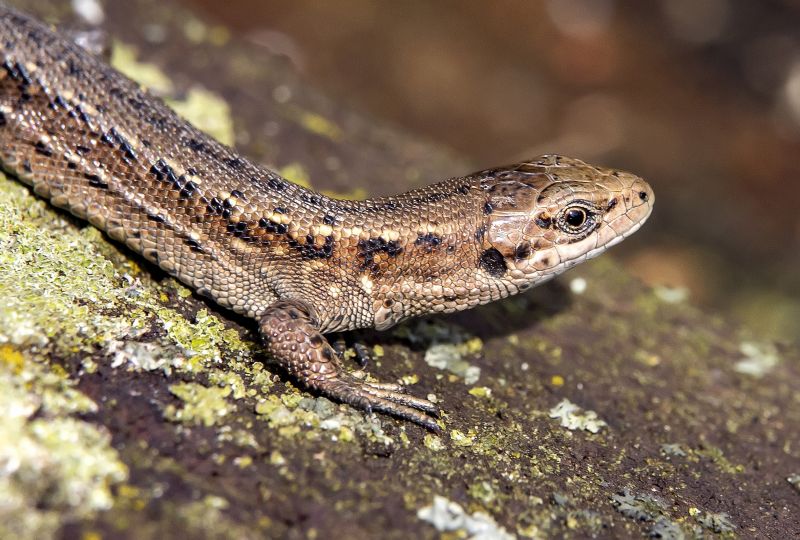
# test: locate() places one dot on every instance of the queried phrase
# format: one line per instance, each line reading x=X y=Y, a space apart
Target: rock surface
x=590 y=407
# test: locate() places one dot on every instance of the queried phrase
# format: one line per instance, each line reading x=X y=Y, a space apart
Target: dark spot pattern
x=368 y=249
x=95 y=180
x=310 y=198
x=59 y=102
x=137 y=104
x=272 y=227
x=156 y=120
x=43 y=149
x=274 y=183
x=188 y=189
x=107 y=139
x=194 y=245
x=309 y=250
x=195 y=145
x=235 y=163
x=214 y=206
x=493 y=263
x=435 y=197
x=428 y=241
x=164 y=172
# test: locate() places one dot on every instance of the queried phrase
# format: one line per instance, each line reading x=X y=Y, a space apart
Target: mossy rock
x=593 y=406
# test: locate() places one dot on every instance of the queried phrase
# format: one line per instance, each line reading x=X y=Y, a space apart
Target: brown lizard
x=302 y=264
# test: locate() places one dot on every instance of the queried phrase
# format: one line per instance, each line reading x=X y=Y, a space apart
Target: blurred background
x=701 y=97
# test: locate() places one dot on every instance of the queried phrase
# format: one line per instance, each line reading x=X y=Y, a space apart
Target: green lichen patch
x=55 y=281
x=63 y=288
x=447 y=347
x=671 y=295
x=197 y=31
x=647 y=508
x=204 y=109
x=573 y=417
x=124 y=59
x=201 y=405
x=203 y=340
x=315 y=123
x=53 y=466
x=716 y=522
x=654 y=510
x=673 y=449
x=293 y=414
x=450 y=358
x=638 y=507
x=759 y=358
x=448 y=516
x=718 y=458
x=208 y=112
x=297 y=173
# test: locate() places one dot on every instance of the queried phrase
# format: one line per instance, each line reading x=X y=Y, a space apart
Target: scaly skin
x=302 y=264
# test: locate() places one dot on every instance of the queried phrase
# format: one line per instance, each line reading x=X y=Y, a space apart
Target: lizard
x=300 y=263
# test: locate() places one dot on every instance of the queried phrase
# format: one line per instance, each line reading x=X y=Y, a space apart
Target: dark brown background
x=700 y=97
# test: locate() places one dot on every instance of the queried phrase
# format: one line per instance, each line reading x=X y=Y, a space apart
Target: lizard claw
x=385 y=398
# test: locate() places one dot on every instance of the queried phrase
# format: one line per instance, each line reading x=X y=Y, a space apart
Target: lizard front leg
x=292 y=337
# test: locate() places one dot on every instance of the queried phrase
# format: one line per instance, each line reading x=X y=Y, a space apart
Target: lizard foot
x=293 y=338
x=385 y=398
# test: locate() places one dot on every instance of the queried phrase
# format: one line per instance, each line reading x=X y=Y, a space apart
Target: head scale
x=545 y=216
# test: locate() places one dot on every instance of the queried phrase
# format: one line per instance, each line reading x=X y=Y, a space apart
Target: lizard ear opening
x=493 y=263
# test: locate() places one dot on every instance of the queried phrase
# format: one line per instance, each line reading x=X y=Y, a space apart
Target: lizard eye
x=575 y=217
x=577 y=220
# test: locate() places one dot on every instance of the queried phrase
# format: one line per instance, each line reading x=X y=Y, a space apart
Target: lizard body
x=302 y=264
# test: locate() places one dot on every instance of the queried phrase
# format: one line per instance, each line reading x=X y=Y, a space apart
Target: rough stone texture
x=132 y=408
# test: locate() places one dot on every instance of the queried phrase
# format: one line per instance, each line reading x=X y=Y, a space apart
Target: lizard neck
x=397 y=257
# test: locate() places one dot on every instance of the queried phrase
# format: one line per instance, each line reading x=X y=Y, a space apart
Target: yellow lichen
x=123 y=58
x=201 y=405
x=297 y=173
x=315 y=123
x=54 y=466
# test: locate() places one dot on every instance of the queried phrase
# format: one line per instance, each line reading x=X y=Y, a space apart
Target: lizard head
x=547 y=215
